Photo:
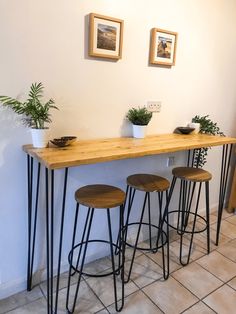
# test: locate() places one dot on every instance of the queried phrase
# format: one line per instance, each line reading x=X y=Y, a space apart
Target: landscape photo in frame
x=105 y=36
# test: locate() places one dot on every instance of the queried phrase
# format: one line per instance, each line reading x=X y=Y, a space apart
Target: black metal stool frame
x=85 y=241
x=160 y=233
x=184 y=211
x=32 y=210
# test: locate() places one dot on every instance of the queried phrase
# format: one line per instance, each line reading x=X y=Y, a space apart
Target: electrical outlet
x=170 y=161
x=154 y=106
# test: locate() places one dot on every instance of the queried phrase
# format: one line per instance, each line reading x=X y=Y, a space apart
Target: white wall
x=47 y=41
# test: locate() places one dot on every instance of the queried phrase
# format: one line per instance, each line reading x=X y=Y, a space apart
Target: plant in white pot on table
x=35 y=113
x=139 y=117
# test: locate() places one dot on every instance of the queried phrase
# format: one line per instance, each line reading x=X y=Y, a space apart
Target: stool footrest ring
x=155 y=247
x=184 y=229
x=89 y=274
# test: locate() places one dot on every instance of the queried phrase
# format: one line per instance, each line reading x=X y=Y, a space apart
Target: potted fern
x=35 y=113
x=139 y=117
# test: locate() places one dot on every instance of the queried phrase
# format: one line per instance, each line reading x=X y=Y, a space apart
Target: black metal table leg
x=226 y=156
x=61 y=237
x=47 y=240
x=52 y=305
x=32 y=217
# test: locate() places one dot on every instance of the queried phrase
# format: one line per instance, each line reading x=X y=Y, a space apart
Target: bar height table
x=95 y=151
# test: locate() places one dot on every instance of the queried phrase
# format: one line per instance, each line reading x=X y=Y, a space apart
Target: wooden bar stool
x=147 y=183
x=189 y=178
x=99 y=197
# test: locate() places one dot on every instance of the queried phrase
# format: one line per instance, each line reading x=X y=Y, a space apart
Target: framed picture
x=105 y=36
x=163 y=47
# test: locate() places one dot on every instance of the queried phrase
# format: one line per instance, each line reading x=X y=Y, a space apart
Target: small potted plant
x=207 y=126
x=35 y=113
x=139 y=117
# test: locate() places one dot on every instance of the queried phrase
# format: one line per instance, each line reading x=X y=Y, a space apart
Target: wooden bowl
x=64 y=141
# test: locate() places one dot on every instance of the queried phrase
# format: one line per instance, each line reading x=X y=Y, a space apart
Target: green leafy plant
x=207 y=126
x=140 y=116
x=34 y=112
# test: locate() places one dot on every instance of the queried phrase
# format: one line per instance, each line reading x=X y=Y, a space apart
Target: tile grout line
x=94 y=293
x=151 y=300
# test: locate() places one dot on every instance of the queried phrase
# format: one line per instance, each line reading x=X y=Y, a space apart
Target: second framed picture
x=105 y=36
x=163 y=47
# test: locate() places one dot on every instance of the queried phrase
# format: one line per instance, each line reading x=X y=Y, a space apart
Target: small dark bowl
x=64 y=141
x=185 y=129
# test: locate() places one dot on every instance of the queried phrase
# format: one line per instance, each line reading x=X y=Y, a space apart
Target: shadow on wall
x=12 y=136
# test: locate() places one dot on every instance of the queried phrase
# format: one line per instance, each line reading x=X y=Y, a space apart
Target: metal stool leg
x=165 y=272
x=179 y=227
x=149 y=221
x=137 y=237
x=82 y=240
x=118 y=309
x=193 y=228
x=91 y=213
x=130 y=192
x=207 y=216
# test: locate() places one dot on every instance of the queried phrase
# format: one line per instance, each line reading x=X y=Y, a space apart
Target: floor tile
x=62 y=283
x=170 y=296
x=87 y=302
x=20 y=299
x=199 y=308
x=232 y=283
x=229 y=250
x=104 y=288
x=201 y=239
x=227 y=229
x=196 y=279
x=129 y=253
x=196 y=251
x=232 y=219
x=137 y=303
x=104 y=311
x=157 y=258
x=144 y=271
x=218 y=265
x=39 y=307
x=213 y=217
x=173 y=235
x=98 y=265
x=225 y=214
x=222 y=301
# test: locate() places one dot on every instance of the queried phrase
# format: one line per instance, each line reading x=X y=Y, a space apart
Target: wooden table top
x=85 y=152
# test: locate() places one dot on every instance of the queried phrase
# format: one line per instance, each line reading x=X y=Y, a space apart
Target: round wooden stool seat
x=148 y=182
x=100 y=196
x=192 y=174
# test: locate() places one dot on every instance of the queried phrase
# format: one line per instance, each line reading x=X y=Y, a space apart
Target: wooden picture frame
x=163 y=47
x=105 y=36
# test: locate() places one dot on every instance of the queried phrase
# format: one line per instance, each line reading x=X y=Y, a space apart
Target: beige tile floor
x=206 y=285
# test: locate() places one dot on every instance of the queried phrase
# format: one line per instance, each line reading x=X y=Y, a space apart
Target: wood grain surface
x=94 y=151
x=192 y=174
x=100 y=196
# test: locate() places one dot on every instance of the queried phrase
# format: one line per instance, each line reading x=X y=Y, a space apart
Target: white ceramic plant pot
x=196 y=126
x=139 y=131
x=40 y=137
